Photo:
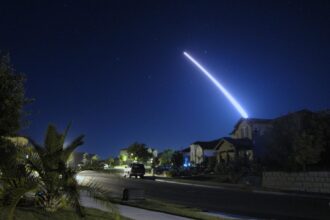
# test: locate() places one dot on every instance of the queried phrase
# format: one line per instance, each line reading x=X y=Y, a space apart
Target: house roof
x=241 y=143
x=296 y=114
x=208 y=144
x=251 y=121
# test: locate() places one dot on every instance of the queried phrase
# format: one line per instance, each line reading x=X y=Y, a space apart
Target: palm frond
x=72 y=146
x=14 y=188
x=64 y=135
x=40 y=150
x=53 y=139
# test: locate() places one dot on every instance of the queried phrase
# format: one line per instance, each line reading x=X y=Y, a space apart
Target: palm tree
x=43 y=170
x=58 y=183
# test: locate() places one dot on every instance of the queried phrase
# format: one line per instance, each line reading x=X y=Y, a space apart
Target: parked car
x=160 y=169
x=134 y=169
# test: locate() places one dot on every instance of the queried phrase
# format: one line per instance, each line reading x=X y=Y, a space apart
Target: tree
x=166 y=157
x=305 y=149
x=295 y=142
x=123 y=159
x=116 y=161
x=211 y=163
x=177 y=159
x=139 y=152
x=54 y=183
x=59 y=185
x=15 y=179
x=12 y=97
x=111 y=161
x=155 y=162
x=85 y=159
x=95 y=159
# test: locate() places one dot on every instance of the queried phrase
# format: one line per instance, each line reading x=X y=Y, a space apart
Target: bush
x=238 y=169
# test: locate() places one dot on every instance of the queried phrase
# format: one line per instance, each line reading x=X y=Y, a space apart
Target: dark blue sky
x=116 y=69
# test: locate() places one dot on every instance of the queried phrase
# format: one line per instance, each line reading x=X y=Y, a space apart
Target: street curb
x=191 y=184
x=247 y=190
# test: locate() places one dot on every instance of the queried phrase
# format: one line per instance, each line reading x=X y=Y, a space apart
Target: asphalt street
x=254 y=204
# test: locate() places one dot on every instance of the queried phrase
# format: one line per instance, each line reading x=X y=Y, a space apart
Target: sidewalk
x=128 y=211
x=142 y=214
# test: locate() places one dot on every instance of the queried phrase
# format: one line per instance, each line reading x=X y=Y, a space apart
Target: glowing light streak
x=231 y=99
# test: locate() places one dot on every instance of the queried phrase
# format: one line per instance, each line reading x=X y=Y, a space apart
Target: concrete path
x=229 y=216
x=142 y=214
x=128 y=211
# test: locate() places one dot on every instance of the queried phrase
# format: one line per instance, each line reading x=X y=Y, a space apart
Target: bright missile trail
x=231 y=99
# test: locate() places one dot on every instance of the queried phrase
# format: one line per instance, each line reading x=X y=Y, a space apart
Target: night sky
x=116 y=69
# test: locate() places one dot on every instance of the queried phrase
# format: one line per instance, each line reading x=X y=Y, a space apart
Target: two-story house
x=200 y=150
x=250 y=128
x=244 y=140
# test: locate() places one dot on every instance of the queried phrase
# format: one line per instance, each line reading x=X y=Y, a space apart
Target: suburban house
x=75 y=159
x=244 y=141
x=19 y=141
x=201 y=150
x=78 y=159
x=250 y=128
x=153 y=151
x=229 y=148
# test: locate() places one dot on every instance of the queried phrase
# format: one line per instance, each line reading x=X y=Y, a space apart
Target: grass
x=32 y=213
x=157 y=205
x=169 y=208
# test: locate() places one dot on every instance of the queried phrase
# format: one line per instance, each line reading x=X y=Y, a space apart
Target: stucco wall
x=196 y=154
x=246 y=132
x=19 y=141
x=318 y=182
x=222 y=153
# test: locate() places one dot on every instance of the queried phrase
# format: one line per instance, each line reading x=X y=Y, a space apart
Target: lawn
x=169 y=208
x=29 y=213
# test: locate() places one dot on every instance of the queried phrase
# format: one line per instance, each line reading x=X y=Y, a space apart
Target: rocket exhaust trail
x=231 y=99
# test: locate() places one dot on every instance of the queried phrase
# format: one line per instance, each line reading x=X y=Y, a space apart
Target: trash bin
x=133 y=194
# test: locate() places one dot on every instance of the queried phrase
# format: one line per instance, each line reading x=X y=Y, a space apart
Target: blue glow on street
x=222 y=89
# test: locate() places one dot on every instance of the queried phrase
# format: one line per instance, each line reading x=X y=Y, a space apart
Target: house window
x=242 y=132
x=246 y=132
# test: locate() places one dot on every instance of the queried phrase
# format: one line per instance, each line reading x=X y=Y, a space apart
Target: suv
x=134 y=169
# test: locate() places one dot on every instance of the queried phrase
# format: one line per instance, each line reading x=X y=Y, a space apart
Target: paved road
x=283 y=206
